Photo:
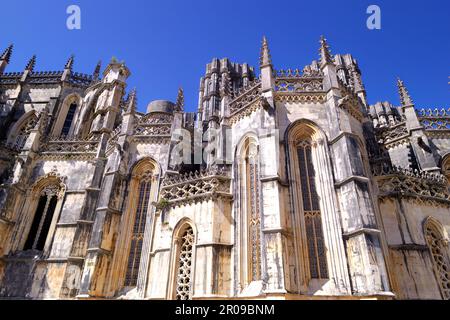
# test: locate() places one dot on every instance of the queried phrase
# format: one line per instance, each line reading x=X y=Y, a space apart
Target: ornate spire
x=69 y=63
x=325 y=55
x=31 y=64
x=265 y=58
x=96 y=73
x=132 y=101
x=179 y=105
x=405 y=98
x=6 y=55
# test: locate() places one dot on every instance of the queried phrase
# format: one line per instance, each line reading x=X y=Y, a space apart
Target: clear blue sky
x=166 y=44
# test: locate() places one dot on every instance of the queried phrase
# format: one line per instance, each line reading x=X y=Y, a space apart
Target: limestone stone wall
x=410 y=261
x=212 y=267
x=236 y=220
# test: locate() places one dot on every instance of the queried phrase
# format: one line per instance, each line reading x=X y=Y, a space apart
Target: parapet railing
x=69 y=145
x=393 y=181
x=195 y=186
x=434 y=119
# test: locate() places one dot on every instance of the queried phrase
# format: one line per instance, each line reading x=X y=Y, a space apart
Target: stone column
x=274 y=235
x=337 y=263
x=361 y=233
x=105 y=226
x=150 y=224
x=84 y=230
x=360 y=229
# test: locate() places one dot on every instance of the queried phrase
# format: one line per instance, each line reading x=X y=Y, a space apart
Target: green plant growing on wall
x=162 y=204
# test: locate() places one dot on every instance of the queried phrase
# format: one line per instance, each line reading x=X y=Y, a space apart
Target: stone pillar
x=332 y=234
x=274 y=234
x=361 y=233
x=273 y=240
x=104 y=230
x=78 y=252
x=359 y=224
x=150 y=224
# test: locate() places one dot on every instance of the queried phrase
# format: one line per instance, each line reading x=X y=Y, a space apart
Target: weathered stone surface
x=300 y=189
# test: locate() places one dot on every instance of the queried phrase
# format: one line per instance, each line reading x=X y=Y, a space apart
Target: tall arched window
x=132 y=251
x=45 y=203
x=249 y=212
x=311 y=213
x=69 y=119
x=317 y=234
x=138 y=228
x=253 y=216
x=184 y=264
x=42 y=219
x=68 y=122
x=438 y=248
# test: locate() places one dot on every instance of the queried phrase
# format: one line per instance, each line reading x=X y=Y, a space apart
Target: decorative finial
x=69 y=63
x=132 y=101
x=98 y=67
x=179 y=105
x=265 y=58
x=31 y=64
x=325 y=55
x=405 y=98
x=6 y=55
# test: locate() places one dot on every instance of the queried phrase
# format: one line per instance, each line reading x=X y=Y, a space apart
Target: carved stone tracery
x=438 y=247
x=412 y=183
x=294 y=81
x=437 y=119
x=69 y=145
x=195 y=186
x=184 y=274
x=246 y=98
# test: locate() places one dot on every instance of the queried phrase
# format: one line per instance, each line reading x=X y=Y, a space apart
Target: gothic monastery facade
x=285 y=184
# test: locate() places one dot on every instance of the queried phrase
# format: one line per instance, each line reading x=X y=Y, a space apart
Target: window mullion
x=311 y=211
x=137 y=232
x=41 y=222
x=308 y=184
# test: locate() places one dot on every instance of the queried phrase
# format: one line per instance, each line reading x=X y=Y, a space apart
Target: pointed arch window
x=438 y=248
x=42 y=219
x=138 y=230
x=253 y=213
x=69 y=119
x=249 y=213
x=311 y=212
x=184 y=270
